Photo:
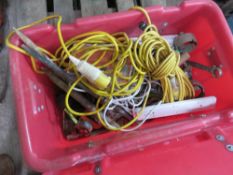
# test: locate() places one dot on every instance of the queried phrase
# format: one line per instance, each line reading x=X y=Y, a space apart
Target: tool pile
x=113 y=82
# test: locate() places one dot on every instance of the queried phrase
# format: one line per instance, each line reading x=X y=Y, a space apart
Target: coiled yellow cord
x=149 y=56
x=155 y=56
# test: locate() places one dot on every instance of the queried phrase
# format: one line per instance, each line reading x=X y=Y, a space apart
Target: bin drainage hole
x=229 y=147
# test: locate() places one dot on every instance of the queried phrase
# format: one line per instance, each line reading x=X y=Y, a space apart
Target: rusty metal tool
x=47 y=61
x=215 y=71
x=75 y=95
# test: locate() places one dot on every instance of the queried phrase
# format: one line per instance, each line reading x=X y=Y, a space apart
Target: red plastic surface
x=43 y=145
x=198 y=153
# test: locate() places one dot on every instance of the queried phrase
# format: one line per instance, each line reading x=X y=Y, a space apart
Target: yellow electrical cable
x=12 y=46
x=161 y=65
x=149 y=55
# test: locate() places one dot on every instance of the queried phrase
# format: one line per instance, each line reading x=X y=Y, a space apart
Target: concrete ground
x=9 y=140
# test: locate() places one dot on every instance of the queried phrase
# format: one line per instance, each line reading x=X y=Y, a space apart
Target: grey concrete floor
x=9 y=139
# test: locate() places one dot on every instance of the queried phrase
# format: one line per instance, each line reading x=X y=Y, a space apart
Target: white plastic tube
x=179 y=107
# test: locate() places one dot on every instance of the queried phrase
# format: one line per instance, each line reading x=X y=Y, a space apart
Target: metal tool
x=214 y=70
x=76 y=128
x=47 y=61
x=31 y=48
x=84 y=127
x=27 y=40
x=185 y=42
x=79 y=97
x=199 y=89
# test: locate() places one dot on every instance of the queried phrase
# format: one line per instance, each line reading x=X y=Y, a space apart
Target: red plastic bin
x=181 y=145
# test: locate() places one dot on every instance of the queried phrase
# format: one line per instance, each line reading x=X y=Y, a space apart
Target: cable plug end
x=91 y=73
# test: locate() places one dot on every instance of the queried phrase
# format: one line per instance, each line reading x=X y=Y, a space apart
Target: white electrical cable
x=79 y=90
x=113 y=101
x=142 y=122
x=123 y=102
